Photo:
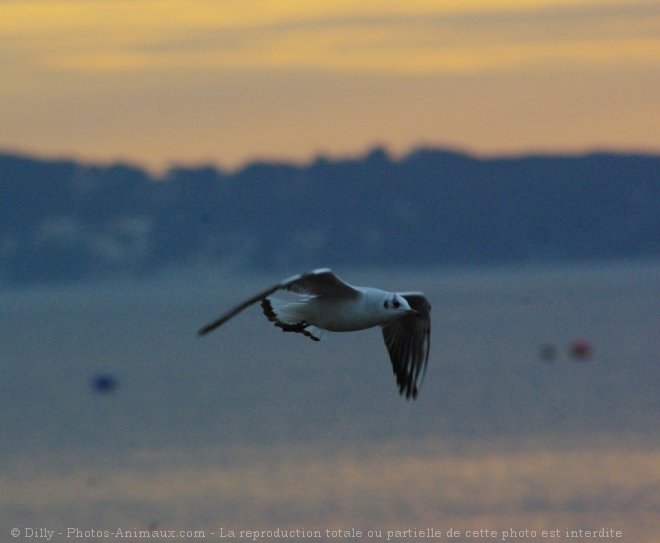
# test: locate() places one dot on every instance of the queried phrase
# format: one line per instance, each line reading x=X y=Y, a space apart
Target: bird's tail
x=285 y=315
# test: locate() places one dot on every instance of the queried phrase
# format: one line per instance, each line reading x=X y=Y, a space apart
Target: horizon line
x=161 y=170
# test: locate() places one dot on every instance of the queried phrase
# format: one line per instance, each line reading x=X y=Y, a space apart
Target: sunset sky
x=228 y=81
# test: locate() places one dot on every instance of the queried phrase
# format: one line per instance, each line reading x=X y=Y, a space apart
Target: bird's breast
x=341 y=315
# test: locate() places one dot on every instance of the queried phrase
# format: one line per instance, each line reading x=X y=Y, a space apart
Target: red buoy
x=581 y=349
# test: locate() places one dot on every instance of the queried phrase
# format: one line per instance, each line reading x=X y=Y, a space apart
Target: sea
x=538 y=413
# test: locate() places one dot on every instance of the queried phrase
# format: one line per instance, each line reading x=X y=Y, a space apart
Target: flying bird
x=324 y=302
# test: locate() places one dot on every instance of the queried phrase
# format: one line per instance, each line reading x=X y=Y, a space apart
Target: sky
x=230 y=81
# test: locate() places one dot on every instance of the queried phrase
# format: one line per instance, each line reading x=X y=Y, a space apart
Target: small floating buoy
x=104 y=383
x=548 y=352
x=581 y=349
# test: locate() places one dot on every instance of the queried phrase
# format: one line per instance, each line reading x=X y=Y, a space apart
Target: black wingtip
x=409 y=392
x=206 y=329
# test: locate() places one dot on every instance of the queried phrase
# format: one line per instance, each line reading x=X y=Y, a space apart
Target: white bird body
x=326 y=303
x=341 y=315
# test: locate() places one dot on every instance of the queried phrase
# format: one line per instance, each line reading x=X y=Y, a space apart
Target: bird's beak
x=413 y=312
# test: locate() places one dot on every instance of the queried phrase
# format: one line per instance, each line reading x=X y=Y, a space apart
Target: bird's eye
x=386 y=305
x=396 y=304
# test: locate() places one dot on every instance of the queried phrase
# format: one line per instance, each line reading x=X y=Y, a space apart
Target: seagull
x=323 y=302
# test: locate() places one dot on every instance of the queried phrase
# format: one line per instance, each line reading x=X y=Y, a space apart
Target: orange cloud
x=389 y=36
x=292 y=78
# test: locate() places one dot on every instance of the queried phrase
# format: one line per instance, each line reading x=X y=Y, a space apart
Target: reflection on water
x=233 y=427
x=533 y=484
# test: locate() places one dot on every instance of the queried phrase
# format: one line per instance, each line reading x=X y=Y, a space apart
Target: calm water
x=250 y=383
x=253 y=428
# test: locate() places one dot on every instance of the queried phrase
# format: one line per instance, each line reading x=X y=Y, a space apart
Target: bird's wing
x=320 y=282
x=408 y=342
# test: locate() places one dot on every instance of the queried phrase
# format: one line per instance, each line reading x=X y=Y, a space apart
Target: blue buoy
x=104 y=383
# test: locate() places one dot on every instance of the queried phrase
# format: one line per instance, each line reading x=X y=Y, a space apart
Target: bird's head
x=397 y=305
